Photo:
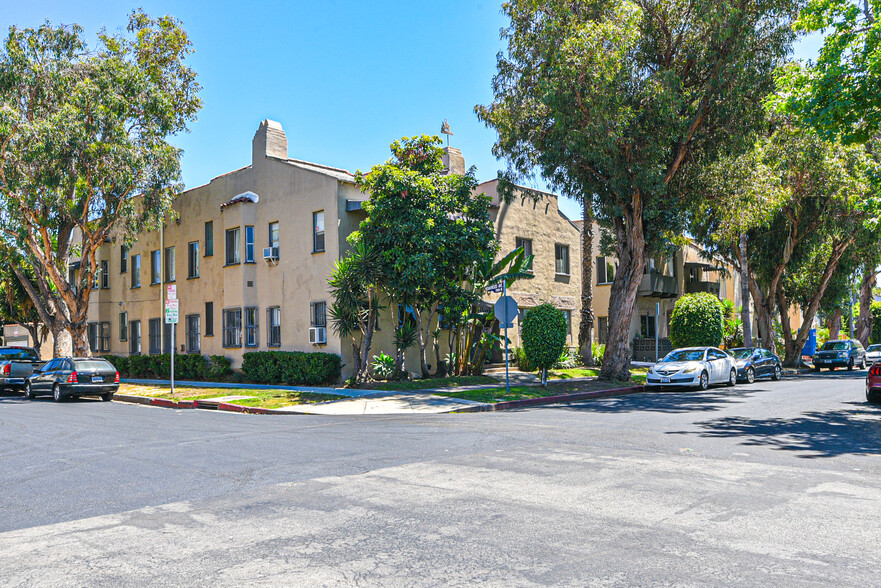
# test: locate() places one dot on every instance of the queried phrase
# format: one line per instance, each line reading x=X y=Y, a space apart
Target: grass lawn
x=451 y=382
x=636 y=374
x=262 y=398
x=493 y=395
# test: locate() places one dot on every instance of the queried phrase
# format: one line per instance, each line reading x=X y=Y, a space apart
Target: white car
x=693 y=366
x=873 y=353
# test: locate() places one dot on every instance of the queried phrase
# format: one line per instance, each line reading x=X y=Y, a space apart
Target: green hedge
x=292 y=367
x=186 y=367
x=544 y=335
x=696 y=321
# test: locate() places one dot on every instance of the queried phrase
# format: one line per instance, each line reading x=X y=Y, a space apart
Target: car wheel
x=28 y=391
x=56 y=393
x=778 y=373
x=732 y=378
x=704 y=381
x=832 y=368
x=816 y=368
x=850 y=365
x=751 y=375
x=107 y=397
x=863 y=363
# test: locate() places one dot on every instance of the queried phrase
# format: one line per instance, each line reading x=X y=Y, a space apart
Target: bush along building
x=250 y=254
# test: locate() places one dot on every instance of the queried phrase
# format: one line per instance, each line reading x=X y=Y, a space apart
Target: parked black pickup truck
x=16 y=364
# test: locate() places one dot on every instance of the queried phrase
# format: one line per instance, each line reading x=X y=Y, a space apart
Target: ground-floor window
x=105 y=336
x=251 y=339
x=153 y=336
x=193 y=343
x=232 y=327
x=647 y=326
x=167 y=339
x=93 y=336
x=273 y=322
x=134 y=337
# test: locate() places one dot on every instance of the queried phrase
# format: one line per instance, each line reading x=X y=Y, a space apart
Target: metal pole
x=507 y=376
x=173 y=329
x=657 y=330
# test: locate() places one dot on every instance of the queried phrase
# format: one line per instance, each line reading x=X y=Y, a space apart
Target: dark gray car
x=755 y=362
x=847 y=353
x=79 y=376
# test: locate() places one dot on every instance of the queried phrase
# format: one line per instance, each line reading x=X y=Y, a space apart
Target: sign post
x=506 y=310
x=172 y=317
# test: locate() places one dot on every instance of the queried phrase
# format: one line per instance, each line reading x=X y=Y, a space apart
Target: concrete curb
x=189 y=404
x=512 y=404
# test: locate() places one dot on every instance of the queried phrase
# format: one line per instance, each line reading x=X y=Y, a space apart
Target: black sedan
x=755 y=362
x=847 y=353
x=79 y=376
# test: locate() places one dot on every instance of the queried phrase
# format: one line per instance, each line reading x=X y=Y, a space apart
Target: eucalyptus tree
x=612 y=99
x=85 y=156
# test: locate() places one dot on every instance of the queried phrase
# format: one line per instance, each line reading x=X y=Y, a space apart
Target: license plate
x=665 y=380
x=97 y=378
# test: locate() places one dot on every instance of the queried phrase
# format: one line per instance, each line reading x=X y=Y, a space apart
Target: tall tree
x=427 y=228
x=613 y=98
x=586 y=324
x=84 y=151
x=16 y=305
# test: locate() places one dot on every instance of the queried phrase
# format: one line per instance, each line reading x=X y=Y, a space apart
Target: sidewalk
x=351 y=392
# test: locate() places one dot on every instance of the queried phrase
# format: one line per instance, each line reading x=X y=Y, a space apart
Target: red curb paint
x=163 y=402
x=186 y=404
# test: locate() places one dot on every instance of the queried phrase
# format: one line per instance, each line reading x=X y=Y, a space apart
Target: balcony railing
x=711 y=287
x=657 y=284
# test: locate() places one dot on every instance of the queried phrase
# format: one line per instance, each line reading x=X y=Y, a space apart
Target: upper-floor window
x=123 y=259
x=105 y=274
x=169 y=264
x=193 y=259
x=318 y=231
x=136 y=272
x=606 y=267
x=209 y=238
x=273 y=234
x=561 y=259
x=249 y=244
x=233 y=246
x=526 y=244
x=155 y=267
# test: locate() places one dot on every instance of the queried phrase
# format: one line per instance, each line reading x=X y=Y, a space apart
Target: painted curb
x=189 y=404
x=512 y=404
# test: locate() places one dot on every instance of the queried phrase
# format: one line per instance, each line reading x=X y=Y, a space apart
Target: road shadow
x=668 y=401
x=855 y=429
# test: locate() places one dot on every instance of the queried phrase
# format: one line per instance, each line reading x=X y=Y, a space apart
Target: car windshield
x=873 y=348
x=21 y=354
x=742 y=353
x=835 y=346
x=685 y=355
x=93 y=364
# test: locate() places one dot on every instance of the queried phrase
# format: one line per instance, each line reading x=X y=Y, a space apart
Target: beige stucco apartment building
x=251 y=251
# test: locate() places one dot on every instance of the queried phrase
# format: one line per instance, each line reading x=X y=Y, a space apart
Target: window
x=232 y=327
x=273 y=321
x=233 y=253
x=123 y=326
x=567 y=314
x=249 y=244
x=209 y=239
x=169 y=329
x=155 y=266
x=169 y=264
x=602 y=329
x=193 y=260
x=193 y=333
x=105 y=336
x=605 y=270
x=134 y=340
x=647 y=326
x=317 y=231
x=123 y=259
x=318 y=310
x=251 y=339
x=136 y=271
x=105 y=274
x=93 y=336
x=72 y=279
x=525 y=243
x=209 y=319
x=561 y=256
x=154 y=332
x=273 y=234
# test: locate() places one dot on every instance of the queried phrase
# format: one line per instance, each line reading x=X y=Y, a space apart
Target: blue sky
x=344 y=78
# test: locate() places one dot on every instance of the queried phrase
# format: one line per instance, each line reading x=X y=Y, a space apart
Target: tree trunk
x=367 y=340
x=834 y=324
x=585 y=329
x=622 y=299
x=356 y=360
x=864 y=324
x=80 y=338
x=745 y=317
x=785 y=324
x=764 y=311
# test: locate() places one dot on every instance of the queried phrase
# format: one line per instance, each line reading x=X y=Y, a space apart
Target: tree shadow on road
x=828 y=433
x=673 y=401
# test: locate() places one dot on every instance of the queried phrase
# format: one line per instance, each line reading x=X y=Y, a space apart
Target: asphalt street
x=775 y=483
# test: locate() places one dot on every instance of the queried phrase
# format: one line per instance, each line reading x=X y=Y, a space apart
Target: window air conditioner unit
x=317 y=335
x=270 y=254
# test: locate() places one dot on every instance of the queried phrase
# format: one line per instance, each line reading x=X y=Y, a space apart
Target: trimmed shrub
x=292 y=367
x=544 y=337
x=521 y=360
x=696 y=321
x=219 y=367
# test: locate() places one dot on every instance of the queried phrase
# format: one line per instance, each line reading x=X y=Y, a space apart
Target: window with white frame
x=123 y=326
x=134 y=338
x=273 y=326
x=318 y=231
x=233 y=246
x=105 y=274
x=155 y=267
x=193 y=260
x=606 y=267
x=249 y=244
x=561 y=259
x=170 y=264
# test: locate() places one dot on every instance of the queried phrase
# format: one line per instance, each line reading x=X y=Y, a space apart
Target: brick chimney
x=454 y=161
x=269 y=140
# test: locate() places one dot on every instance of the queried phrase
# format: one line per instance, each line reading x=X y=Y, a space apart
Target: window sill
x=171 y=281
x=134 y=288
x=567 y=275
x=232 y=264
x=604 y=283
x=274 y=346
x=154 y=283
x=317 y=251
x=192 y=277
x=233 y=347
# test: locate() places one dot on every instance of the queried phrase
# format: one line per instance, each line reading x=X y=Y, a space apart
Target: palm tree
x=585 y=329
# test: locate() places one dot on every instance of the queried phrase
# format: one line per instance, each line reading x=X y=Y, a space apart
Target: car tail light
x=116 y=379
x=7 y=369
x=875 y=370
x=73 y=378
